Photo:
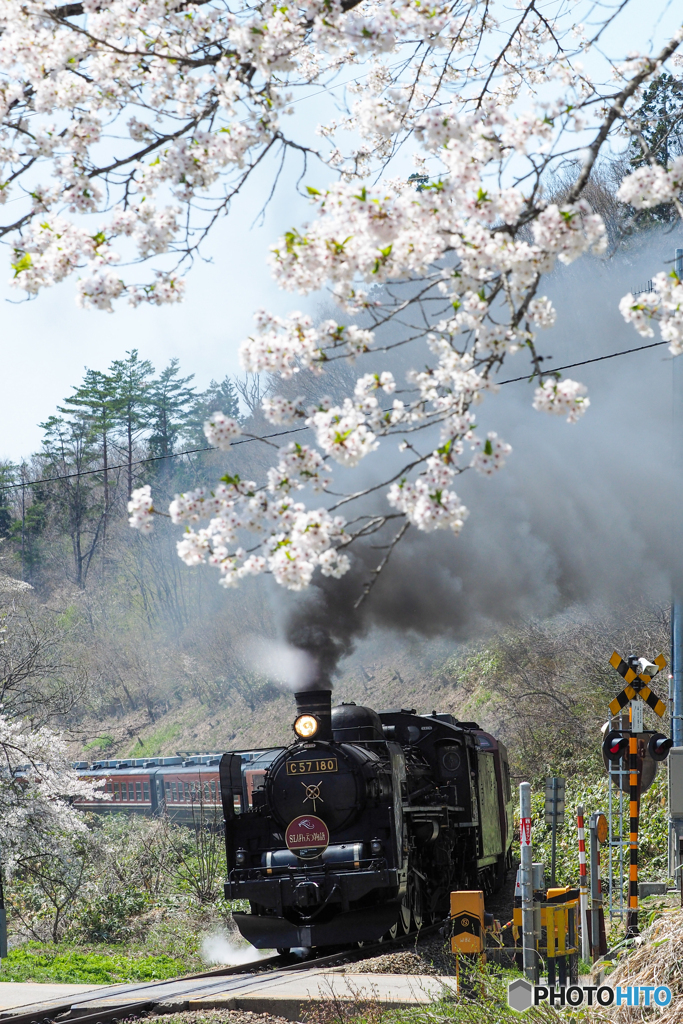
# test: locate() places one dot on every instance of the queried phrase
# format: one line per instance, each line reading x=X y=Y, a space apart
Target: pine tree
x=659 y=121
x=131 y=378
x=98 y=403
x=69 y=452
x=169 y=400
x=221 y=397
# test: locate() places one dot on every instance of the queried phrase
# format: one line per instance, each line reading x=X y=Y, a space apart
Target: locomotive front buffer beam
x=308 y=889
x=365 y=925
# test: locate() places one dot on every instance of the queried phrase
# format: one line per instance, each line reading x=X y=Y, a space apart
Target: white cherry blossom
x=127 y=130
x=562 y=397
x=220 y=430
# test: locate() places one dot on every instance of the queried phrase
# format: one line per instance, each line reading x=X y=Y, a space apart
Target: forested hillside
x=109 y=636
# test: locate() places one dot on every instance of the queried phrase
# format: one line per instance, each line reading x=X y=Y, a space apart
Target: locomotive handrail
x=432 y=808
x=334 y=867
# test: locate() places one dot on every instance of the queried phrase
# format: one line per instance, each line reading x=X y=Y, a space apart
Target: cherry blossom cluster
x=491 y=454
x=299 y=466
x=427 y=502
x=291 y=540
x=199 y=95
x=562 y=397
x=286 y=345
x=294 y=541
x=664 y=304
x=220 y=430
x=651 y=185
x=343 y=433
x=141 y=508
x=281 y=410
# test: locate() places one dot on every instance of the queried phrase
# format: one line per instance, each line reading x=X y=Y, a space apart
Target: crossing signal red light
x=659 y=746
x=614 y=745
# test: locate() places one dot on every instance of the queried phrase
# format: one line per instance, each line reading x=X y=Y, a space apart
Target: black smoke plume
x=582 y=514
x=326 y=624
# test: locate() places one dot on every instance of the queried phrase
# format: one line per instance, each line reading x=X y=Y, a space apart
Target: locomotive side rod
x=64 y=1013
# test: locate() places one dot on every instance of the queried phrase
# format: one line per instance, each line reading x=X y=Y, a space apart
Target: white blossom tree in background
x=37 y=783
x=130 y=125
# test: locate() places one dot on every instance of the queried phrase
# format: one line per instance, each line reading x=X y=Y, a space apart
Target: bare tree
x=38 y=679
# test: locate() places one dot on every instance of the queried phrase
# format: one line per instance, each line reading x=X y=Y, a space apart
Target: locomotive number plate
x=326 y=764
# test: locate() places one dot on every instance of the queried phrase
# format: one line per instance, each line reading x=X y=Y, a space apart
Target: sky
x=48 y=342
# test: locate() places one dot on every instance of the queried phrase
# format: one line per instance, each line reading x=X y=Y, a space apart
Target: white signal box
x=676 y=782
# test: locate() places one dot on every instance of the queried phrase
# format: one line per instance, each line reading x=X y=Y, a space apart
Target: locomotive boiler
x=363 y=825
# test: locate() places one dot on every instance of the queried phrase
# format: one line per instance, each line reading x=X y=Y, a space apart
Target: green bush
x=105 y=917
x=589 y=787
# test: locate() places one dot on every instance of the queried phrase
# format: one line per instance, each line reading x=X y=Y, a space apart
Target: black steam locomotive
x=363 y=825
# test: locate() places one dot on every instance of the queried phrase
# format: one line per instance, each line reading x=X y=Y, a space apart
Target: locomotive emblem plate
x=324 y=764
x=307 y=836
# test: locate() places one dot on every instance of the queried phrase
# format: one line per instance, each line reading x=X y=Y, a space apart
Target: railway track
x=130 y=1006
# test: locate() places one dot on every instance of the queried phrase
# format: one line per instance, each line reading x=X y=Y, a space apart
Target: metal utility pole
x=23 y=518
x=676 y=691
x=529 y=957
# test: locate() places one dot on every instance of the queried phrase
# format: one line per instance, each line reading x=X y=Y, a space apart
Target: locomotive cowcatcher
x=363 y=825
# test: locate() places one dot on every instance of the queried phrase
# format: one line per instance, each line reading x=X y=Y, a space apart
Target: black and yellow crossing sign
x=636 y=685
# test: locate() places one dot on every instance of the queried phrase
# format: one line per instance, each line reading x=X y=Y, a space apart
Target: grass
x=155 y=743
x=38 y=962
x=100 y=743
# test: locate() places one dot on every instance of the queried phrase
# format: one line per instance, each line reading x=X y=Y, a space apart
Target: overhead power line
x=585 y=362
x=297 y=430
x=140 y=462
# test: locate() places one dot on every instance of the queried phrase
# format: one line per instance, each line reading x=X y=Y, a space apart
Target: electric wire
x=585 y=362
x=297 y=430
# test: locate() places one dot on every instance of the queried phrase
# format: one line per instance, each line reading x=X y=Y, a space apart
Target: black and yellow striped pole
x=634 y=813
x=637 y=686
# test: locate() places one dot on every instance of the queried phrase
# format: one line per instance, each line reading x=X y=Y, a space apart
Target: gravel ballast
x=222 y=1017
x=429 y=957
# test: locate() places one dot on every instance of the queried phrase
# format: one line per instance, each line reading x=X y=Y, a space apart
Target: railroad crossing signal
x=637 y=684
x=615 y=745
x=659 y=746
x=554 y=815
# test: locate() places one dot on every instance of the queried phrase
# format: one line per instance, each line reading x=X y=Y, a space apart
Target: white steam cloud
x=220 y=948
x=285 y=665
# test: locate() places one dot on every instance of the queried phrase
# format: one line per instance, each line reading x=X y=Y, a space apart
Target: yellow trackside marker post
x=468 y=932
x=550 y=942
x=467 y=915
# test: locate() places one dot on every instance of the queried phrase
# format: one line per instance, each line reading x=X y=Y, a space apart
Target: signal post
x=637 y=674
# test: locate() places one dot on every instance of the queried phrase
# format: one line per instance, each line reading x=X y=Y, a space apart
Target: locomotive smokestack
x=317 y=705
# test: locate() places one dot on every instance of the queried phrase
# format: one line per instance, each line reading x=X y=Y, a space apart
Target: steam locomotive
x=363 y=825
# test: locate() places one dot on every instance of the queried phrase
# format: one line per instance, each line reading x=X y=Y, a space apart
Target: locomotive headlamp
x=376 y=847
x=241 y=857
x=306 y=726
